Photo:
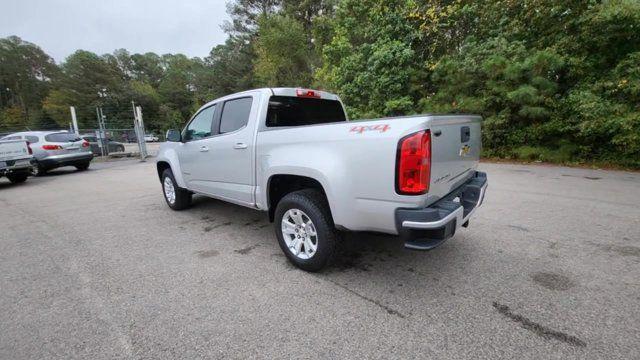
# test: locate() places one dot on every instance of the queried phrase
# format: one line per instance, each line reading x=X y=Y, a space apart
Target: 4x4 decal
x=360 y=128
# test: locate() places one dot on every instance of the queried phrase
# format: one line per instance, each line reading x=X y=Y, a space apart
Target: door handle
x=204 y=148
x=240 y=146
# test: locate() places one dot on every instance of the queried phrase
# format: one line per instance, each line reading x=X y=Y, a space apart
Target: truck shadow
x=61 y=171
x=365 y=252
x=371 y=252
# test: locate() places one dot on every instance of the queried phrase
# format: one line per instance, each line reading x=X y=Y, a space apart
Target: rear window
x=235 y=114
x=296 y=111
x=61 y=137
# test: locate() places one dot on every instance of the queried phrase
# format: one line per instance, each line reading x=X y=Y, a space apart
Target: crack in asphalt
x=373 y=301
x=538 y=329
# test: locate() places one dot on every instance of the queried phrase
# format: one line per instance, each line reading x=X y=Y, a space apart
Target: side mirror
x=174 y=135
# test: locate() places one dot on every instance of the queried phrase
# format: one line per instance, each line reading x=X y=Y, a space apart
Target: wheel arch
x=279 y=185
x=161 y=166
x=168 y=159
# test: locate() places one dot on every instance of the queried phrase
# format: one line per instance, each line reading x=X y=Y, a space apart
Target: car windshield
x=298 y=111
x=61 y=137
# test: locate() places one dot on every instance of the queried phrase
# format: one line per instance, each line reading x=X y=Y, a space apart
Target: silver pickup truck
x=16 y=159
x=293 y=153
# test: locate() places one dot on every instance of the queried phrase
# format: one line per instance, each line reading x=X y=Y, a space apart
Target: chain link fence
x=113 y=131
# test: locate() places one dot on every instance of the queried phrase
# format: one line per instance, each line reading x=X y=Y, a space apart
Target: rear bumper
x=66 y=159
x=16 y=166
x=426 y=228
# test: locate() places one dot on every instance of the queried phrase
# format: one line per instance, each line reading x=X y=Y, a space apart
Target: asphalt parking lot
x=94 y=265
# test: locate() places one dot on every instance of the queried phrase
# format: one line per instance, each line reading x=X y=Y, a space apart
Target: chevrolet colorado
x=293 y=153
x=15 y=160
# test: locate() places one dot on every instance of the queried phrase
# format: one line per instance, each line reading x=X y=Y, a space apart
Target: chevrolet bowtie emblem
x=465 y=150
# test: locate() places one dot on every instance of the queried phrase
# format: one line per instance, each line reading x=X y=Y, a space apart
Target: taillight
x=307 y=93
x=414 y=163
x=51 y=147
x=85 y=144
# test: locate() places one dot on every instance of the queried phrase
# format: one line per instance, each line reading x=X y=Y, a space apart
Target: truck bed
x=364 y=153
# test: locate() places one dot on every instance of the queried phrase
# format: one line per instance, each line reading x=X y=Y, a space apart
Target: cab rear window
x=298 y=111
x=61 y=137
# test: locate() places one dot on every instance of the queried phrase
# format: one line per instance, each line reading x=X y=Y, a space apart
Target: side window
x=200 y=126
x=235 y=114
x=32 y=139
x=12 y=138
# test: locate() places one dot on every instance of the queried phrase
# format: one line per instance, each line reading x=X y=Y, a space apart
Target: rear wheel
x=176 y=197
x=83 y=166
x=17 y=178
x=305 y=230
x=38 y=170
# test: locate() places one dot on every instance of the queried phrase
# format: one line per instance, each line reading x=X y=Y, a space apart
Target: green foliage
x=25 y=75
x=283 y=57
x=370 y=61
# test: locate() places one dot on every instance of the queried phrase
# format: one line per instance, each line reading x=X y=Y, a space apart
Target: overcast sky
x=60 y=27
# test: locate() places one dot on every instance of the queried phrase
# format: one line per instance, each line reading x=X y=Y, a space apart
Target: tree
x=370 y=60
x=283 y=58
x=246 y=13
x=26 y=73
x=87 y=81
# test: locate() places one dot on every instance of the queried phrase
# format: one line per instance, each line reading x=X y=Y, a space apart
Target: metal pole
x=136 y=129
x=135 y=122
x=104 y=150
x=74 y=120
x=105 y=141
x=99 y=132
x=143 y=144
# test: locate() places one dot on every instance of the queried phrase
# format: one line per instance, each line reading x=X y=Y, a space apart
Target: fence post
x=139 y=129
x=74 y=120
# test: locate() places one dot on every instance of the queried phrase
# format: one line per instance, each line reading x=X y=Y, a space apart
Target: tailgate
x=13 y=149
x=455 y=151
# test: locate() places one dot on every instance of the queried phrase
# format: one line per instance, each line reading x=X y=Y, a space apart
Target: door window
x=235 y=114
x=200 y=126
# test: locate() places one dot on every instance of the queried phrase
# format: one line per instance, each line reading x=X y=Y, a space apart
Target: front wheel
x=83 y=166
x=305 y=230
x=176 y=197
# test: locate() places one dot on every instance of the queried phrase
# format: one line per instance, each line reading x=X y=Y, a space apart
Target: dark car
x=113 y=146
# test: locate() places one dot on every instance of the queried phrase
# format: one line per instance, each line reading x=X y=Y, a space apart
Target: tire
x=120 y=149
x=38 y=170
x=17 y=178
x=83 y=166
x=181 y=198
x=314 y=207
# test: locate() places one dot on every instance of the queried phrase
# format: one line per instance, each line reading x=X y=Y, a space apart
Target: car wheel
x=305 y=230
x=38 y=170
x=83 y=166
x=176 y=197
x=17 y=178
x=120 y=149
